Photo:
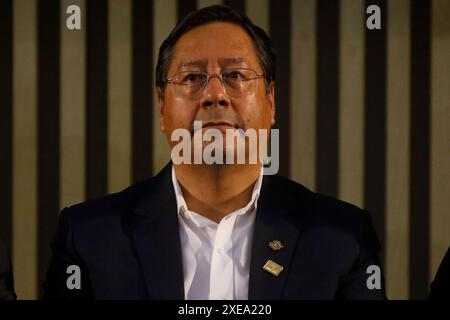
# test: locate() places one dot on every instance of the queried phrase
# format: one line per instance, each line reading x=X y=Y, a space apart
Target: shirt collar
x=201 y=221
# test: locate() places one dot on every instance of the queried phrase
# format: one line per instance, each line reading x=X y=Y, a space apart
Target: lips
x=219 y=125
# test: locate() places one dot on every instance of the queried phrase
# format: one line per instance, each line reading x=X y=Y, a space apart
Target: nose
x=214 y=94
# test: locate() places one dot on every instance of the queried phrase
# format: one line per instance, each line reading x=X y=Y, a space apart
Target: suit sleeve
x=6 y=277
x=365 y=280
x=67 y=276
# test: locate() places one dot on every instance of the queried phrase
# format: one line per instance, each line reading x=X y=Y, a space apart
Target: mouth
x=219 y=125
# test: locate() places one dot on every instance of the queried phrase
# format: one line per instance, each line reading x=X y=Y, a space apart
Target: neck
x=215 y=191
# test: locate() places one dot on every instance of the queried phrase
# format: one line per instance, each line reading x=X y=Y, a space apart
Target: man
x=215 y=231
x=6 y=277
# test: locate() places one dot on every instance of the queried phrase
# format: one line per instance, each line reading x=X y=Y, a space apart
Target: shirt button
x=220 y=250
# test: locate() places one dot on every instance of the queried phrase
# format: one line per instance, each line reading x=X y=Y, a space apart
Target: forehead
x=217 y=43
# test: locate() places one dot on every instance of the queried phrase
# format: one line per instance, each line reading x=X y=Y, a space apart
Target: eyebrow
x=227 y=61
x=193 y=63
x=203 y=62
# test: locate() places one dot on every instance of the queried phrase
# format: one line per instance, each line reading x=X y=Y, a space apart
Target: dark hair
x=217 y=13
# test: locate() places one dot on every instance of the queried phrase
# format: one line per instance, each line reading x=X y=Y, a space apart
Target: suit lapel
x=273 y=222
x=156 y=239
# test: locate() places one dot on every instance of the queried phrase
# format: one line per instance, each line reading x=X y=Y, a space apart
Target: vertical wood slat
x=280 y=32
x=206 y=3
x=119 y=95
x=351 y=101
x=164 y=20
x=185 y=7
x=96 y=98
x=238 y=5
x=375 y=122
x=440 y=133
x=6 y=118
x=73 y=111
x=48 y=128
x=420 y=149
x=25 y=148
x=258 y=12
x=142 y=89
x=397 y=156
x=303 y=92
x=327 y=130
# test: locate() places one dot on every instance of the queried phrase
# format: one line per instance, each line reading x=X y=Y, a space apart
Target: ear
x=160 y=103
x=271 y=97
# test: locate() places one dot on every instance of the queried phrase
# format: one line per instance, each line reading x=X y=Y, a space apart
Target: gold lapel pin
x=276 y=245
x=273 y=267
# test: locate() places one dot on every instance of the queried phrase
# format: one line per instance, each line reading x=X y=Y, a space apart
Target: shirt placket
x=221 y=286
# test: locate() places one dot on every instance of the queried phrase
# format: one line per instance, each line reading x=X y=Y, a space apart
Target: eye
x=234 y=75
x=193 y=77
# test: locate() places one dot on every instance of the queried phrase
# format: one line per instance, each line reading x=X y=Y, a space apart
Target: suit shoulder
x=333 y=219
x=110 y=205
x=295 y=190
x=321 y=208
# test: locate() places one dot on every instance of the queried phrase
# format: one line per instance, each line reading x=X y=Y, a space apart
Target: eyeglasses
x=237 y=82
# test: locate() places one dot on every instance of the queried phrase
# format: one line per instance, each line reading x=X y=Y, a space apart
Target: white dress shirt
x=216 y=256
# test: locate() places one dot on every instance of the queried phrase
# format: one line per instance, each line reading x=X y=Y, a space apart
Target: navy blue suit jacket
x=127 y=245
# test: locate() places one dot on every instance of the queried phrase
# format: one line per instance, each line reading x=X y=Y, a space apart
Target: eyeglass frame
x=215 y=75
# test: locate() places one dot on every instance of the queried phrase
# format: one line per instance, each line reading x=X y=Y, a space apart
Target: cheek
x=256 y=113
x=179 y=113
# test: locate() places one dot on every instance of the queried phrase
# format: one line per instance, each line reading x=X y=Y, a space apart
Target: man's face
x=213 y=48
